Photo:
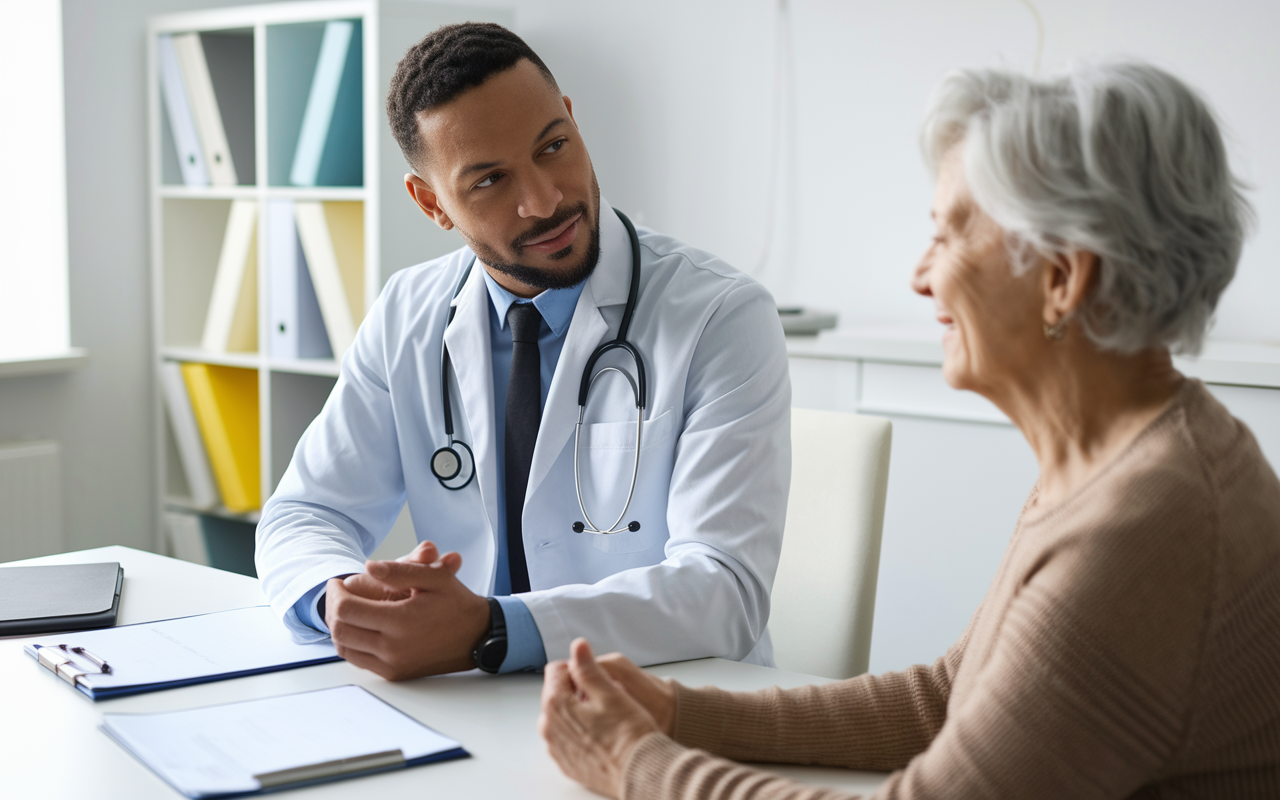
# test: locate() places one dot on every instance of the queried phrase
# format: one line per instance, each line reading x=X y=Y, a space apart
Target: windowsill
x=64 y=361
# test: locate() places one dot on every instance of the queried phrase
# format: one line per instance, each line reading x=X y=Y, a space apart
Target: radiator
x=30 y=500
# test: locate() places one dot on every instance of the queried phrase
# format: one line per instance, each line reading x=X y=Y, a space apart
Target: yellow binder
x=225 y=401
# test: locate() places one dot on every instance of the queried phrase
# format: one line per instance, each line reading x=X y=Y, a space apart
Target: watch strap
x=495 y=638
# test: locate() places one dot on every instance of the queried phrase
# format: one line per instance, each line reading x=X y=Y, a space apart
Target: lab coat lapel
x=471 y=356
x=607 y=286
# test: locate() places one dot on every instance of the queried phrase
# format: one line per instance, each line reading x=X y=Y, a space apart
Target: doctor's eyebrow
x=485 y=166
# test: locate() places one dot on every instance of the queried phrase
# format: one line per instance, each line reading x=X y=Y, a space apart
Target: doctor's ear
x=568 y=106
x=426 y=199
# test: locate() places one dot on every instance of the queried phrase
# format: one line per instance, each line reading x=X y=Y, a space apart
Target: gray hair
x=1119 y=159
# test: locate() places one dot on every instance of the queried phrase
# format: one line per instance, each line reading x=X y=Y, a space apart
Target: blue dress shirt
x=524 y=642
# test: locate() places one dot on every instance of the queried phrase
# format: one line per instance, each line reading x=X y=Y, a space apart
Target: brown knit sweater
x=1129 y=646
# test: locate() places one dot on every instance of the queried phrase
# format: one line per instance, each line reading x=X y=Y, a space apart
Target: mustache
x=549 y=224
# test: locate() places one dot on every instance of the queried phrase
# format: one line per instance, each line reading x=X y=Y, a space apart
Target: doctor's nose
x=539 y=197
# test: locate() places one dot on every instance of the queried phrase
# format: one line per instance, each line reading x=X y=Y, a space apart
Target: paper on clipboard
x=278 y=741
x=179 y=652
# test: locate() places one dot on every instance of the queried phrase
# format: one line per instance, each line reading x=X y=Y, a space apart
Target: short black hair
x=447 y=62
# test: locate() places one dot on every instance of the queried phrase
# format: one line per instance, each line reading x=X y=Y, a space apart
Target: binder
x=297 y=327
x=277 y=743
x=225 y=402
x=229 y=56
x=231 y=324
x=204 y=107
x=59 y=597
x=330 y=147
x=181 y=122
x=186 y=433
x=152 y=656
x=332 y=236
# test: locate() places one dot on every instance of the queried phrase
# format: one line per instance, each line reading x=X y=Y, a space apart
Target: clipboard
x=277 y=743
x=150 y=656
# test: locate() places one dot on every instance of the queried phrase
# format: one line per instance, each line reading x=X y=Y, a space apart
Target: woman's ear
x=1068 y=279
x=427 y=200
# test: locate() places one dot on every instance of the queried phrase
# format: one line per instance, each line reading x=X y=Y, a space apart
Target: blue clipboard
x=150 y=656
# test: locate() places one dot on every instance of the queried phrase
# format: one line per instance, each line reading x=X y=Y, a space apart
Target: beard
x=541 y=277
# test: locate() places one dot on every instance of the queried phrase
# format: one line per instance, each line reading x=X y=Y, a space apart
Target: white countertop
x=1222 y=362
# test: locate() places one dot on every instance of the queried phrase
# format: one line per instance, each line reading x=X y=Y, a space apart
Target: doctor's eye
x=556 y=146
x=489 y=181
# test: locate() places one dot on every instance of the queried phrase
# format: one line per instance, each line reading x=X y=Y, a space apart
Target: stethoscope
x=454 y=464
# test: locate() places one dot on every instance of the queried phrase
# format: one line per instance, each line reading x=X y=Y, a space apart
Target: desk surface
x=50 y=745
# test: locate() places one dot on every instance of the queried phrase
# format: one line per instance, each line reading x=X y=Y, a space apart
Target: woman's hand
x=656 y=695
x=589 y=720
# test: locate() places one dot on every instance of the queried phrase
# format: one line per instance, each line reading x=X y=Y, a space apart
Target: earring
x=1056 y=331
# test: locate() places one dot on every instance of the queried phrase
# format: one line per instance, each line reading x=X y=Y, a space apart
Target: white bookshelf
x=188 y=222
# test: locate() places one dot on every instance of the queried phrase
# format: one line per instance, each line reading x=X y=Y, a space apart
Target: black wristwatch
x=492 y=650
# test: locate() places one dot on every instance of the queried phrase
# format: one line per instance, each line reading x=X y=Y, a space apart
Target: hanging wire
x=783 y=92
x=1035 y=13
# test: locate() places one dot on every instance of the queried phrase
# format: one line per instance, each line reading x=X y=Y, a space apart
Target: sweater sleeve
x=1082 y=694
x=877 y=722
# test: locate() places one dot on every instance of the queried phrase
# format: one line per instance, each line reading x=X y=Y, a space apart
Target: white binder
x=181 y=122
x=204 y=106
x=297 y=327
x=326 y=275
x=195 y=461
x=231 y=322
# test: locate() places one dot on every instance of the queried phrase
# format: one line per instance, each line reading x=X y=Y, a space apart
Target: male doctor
x=503 y=579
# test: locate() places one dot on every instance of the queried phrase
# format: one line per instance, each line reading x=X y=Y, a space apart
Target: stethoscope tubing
x=639 y=388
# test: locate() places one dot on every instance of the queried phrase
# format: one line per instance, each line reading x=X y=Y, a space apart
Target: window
x=33 y=191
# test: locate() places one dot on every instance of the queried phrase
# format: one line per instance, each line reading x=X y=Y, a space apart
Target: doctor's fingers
x=425 y=553
x=408 y=575
x=350 y=637
x=370 y=662
x=370 y=588
x=347 y=607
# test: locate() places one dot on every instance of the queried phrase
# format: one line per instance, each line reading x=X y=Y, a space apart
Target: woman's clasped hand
x=596 y=710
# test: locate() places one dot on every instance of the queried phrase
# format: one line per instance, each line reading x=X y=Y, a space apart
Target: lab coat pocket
x=606 y=460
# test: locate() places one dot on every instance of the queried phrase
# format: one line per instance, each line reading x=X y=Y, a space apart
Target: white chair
x=825 y=592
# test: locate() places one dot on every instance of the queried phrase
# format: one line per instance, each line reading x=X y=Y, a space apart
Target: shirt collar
x=555 y=305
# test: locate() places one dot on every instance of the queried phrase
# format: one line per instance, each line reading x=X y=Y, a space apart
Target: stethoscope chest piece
x=454 y=465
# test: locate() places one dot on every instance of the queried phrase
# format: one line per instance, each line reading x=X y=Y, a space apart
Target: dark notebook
x=71 y=597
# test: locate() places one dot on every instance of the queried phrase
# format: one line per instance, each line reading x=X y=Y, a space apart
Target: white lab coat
x=715 y=463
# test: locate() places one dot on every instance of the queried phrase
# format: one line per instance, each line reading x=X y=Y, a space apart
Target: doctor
x=499 y=475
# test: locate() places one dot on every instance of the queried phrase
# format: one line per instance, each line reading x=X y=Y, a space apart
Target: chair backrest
x=825 y=591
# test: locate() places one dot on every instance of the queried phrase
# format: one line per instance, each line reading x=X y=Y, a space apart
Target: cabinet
x=960 y=472
x=262 y=61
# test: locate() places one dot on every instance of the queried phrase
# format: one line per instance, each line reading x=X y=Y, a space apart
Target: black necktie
x=524 y=414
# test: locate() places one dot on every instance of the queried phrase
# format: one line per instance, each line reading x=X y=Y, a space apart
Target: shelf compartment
x=229 y=55
x=296 y=399
x=315 y=97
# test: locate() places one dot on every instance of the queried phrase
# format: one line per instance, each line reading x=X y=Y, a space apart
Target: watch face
x=491 y=654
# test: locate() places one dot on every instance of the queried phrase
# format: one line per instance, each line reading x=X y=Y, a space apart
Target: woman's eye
x=489 y=181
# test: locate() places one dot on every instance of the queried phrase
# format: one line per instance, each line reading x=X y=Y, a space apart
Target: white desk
x=50 y=745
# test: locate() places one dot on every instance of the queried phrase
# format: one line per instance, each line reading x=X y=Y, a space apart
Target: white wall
x=674 y=97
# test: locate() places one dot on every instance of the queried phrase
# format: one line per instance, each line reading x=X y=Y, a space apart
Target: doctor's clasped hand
x=407 y=618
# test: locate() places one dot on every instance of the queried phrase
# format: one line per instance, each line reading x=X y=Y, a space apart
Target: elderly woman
x=1129 y=645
